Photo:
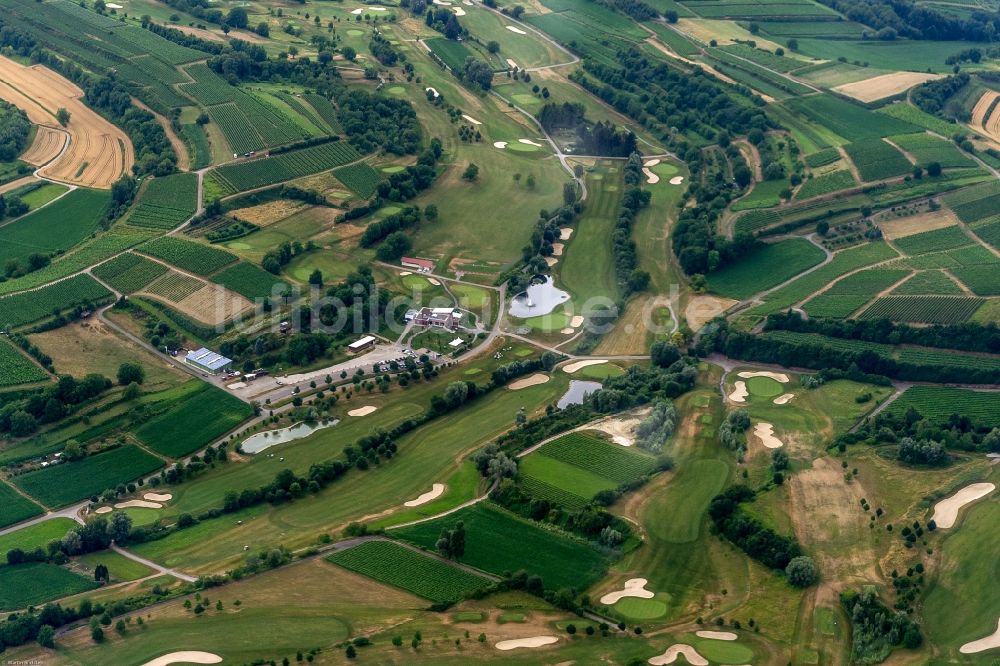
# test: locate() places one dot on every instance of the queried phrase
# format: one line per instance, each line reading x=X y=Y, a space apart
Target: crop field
x=14 y=507
x=16 y=369
x=497 y=541
x=70 y=482
x=765 y=58
x=982 y=279
x=830 y=182
x=35 y=536
x=402 y=567
x=27 y=307
x=928 y=283
x=977 y=209
x=674 y=40
x=877 y=160
x=765 y=268
x=360 y=178
x=777 y=86
x=750 y=10
x=286 y=166
x=325 y=109
x=938 y=403
x=35 y=583
x=817 y=29
x=194 y=422
x=167 y=202
x=927 y=148
x=911 y=114
x=850 y=293
x=194 y=257
x=923 y=309
x=850 y=121
x=567 y=27
x=175 y=287
x=989 y=231
x=822 y=158
x=250 y=281
x=129 y=272
x=947 y=238
x=58 y=226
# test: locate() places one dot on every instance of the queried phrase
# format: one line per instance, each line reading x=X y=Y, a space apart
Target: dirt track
x=98 y=154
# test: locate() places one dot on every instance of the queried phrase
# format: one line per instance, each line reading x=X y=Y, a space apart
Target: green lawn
x=120 y=567
x=35 y=583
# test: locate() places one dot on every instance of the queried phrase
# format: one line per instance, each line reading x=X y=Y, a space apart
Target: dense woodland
x=14 y=131
x=905 y=18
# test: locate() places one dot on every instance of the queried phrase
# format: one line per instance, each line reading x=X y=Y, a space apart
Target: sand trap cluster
x=432 y=90
x=533 y=380
x=988 y=643
x=565 y=233
x=740 y=392
x=533 y=642
x=717 y=635
x=651 y=177
x=471 y=119
x=362 y=411
x=551 y=261
x=776 y=376
x=361 y=10
x=677 y=180
x=499 y=144
x=946 y=511
x=148 y=501
x=187 y=657
x=516 y=30
x=405 y=273
x=674 y=651
x=579 y=365
x=765 y=432
x=436 y=490
x=634 y=587
x=783 y=399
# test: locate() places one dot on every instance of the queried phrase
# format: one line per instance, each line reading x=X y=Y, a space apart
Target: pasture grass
x=35 y=536
x=120 y=567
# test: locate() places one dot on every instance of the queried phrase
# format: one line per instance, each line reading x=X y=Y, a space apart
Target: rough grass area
x=14 y=507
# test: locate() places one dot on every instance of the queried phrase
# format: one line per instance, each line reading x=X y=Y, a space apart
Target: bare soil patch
x=268 y=213
x=210 y=305
x=886 y=85
x=703 y=308
x=901 y=227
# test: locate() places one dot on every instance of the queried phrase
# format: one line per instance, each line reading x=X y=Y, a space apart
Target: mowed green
x=402 y=567
x=35 y=536
x=765 y=268
x=764 y=387
x=497 y=541
x=120 y=567
x=14 y=507
x=64 y=484
x=35 y=583
x=194 y=422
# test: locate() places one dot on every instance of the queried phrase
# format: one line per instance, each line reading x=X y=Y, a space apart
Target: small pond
x=539 y=299
x=577 y=391
x=267 y=439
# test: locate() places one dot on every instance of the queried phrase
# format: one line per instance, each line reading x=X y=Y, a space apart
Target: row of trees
x=630 y=278
x=21 y=415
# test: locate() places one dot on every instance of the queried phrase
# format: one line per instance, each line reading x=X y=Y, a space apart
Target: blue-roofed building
x=208 y=361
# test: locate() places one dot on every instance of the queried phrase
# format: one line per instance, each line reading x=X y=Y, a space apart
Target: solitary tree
x=801 y=571
x=130 y=373
x=471 y=173
x=62 y=115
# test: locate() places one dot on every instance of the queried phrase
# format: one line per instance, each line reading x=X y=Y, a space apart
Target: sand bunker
x=434 y=281
x=776 y=376
x=565 y=233
x=436 y=490
x=533 y=642
x=557 y=249
x=765 y=432
x=576 y=321
x=677 y=180
x=529 y=142
x=578 y=365
x=946 y=511
x=633 y=588
x=551 y=261
x=512 y=63
x=405 y=273
x=651 y=163
x=651 y=177
x=784 y=398
x=533 y=380
x=471 y=119
x=361 y=10
x=739 y=393
x=717 y=635
x=188 y=657
x=670 y=656
x=362 y=411
x=516 y=30
x=103 y=509
x=567 y=331
x=458 y=11
x=158 y=497
x=432 y=90
x=138 y=504
x=988 y=643
x=499 y=144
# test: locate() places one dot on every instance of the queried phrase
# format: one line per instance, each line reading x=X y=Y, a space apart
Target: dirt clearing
x=703 y=308
x=269 y=213
x=901 y=227
x=886 y=85
x=98 y=154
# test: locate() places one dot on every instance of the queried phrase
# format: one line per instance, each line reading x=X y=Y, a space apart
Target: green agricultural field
x=17 y=368
x=166 y=202
x=67 y=483
x=28 y=307
x=265 y=171
x=928 y=283
x=451 y=52
x=911 y=114
x=616 y=463
x=923 y=309
x=35 y=536
x=174 y=286
x=250 y=281
x=927 y=148
x=933 y=241
x=194 y=422
x=58 y=226
x=847 y=295
x=982 y=279
x=764 y=268
x=497 y=541
x=195 y=257
x=830 y=182
x=850 y=121
x=120 y=567
x=877 y=160
x=15 y=507
x=938 y=403
x=360 y=178
x=409 y=570
x=33 y=584
x=129 y=272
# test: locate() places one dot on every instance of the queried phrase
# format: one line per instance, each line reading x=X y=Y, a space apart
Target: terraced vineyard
x=877 y=160
x=923 y=309
x=175 y=287
x=286 y=166
x=360 y=178
x=847 y=295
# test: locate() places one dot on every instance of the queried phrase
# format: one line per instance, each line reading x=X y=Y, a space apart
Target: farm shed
x=209 y=361
x=361 y=344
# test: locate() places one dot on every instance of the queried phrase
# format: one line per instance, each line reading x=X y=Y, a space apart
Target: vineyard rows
x=30 y=306
x=167 y=202
x=286 y=166
x=923 y=309
x=360 y=178
x=194 y=257
x=175 y=287
x=16 y=369
x=129 y=272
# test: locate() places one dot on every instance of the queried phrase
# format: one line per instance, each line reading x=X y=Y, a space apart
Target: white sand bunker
x=717 y=635
x=471 y=119
x=677 y=180
x=533 y=380
x=576 y=321
x=499 y=144
x=567 y=331
x=529 y=142
x=634 y=587
x=112 y=5
x=533 y=642
x=442 y=2
x=565 y=233
x=434 y=281
x=432 y=90
x=651 y=163
x=436 y=490
x=784 y=398
x=765 y=432
x=739 y=393
x=946 y=511
x=138 y=504
x=188 y=657
x=405 y=273
x=362 y=411
x=670 y=656
x=512 y=63
x=158 y=497
x=516 y=30
x=458 y=11
x=551 y=261
x=557 y=249
x=988 y=643
x=776 y=376
x=651 y=177
x=103 y=509
x=578 y=365
x=362 y=10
